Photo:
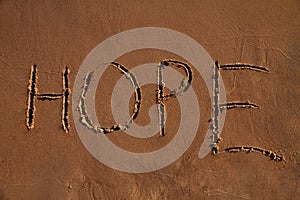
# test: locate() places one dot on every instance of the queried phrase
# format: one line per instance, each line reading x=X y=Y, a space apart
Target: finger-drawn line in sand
x=272 y=155
x=243 y=66
x=161 y=97
x=49 y=97
x=31 y=100
x=231 y=105
x=268 y=153
x=215 y=108
x=66 y=95
x=84 y=118
x=33 y=95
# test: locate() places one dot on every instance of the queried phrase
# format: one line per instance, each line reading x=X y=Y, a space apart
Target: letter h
x=33 y=95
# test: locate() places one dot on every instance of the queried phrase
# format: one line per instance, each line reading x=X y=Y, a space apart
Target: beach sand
x=45 y=162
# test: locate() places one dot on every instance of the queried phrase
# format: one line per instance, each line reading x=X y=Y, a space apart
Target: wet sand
x=45 y=162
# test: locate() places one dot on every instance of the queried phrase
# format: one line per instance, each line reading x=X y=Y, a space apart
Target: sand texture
x=257 y=153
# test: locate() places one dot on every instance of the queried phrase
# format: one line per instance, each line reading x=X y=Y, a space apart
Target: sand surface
x=48 y=163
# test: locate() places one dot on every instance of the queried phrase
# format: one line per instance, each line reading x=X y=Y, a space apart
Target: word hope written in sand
x=161 y=99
